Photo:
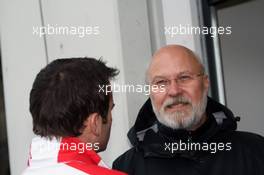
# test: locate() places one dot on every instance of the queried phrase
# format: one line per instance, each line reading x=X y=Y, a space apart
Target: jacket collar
x=219 y=118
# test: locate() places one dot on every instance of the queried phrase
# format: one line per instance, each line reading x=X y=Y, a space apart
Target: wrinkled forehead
x=170 y=64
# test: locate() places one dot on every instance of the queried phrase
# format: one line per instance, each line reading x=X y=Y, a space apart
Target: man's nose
x=174 y=89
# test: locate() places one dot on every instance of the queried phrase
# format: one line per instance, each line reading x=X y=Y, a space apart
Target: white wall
x=136 y=48
x=185 y=13
x=22 y=57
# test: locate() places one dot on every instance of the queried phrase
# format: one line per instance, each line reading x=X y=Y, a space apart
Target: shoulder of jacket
x=94 y=169
x=247 y=141
x=248 y=136
x=128 y=155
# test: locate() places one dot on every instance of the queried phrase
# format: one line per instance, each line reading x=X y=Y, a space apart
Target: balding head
x=176 y=54
x=182 y=96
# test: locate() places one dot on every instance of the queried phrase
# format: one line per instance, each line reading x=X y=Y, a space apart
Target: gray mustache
x=176 y=100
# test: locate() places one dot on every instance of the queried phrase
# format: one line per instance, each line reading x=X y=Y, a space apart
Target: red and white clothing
x=64 y=156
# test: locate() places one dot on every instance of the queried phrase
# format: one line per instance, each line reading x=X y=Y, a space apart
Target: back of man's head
x=66 y=92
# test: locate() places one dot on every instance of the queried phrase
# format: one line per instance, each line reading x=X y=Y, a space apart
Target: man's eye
x=185 y=78
x=161 y=82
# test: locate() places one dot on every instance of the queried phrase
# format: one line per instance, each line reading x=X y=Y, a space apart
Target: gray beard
x=180 y=119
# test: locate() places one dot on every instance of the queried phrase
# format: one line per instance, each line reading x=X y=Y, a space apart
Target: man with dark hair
x=181 y=131
x=71 y=117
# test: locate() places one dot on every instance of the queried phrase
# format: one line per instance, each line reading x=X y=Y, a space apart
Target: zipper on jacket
x=189 y=139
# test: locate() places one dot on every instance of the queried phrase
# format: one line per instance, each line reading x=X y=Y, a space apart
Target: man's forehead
x=176 y=53
x=174 y=65
x=172 y=60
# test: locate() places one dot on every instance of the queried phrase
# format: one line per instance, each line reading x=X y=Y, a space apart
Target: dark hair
x=66 y=92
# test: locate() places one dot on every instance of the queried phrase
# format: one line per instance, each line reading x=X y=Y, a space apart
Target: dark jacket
x=221 y=150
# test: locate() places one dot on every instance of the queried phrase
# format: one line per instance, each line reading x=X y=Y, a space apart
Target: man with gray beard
x=180 y=130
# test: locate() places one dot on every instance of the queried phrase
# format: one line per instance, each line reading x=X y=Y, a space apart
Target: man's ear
x=94 y=124
x=206 y=82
